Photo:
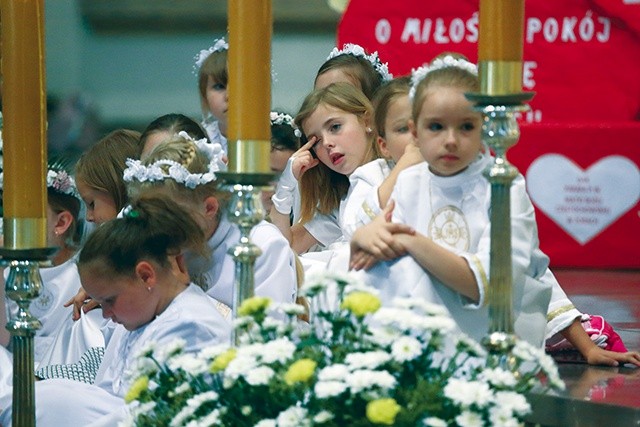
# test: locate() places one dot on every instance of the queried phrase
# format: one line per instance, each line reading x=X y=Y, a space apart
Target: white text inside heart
x=583 y=202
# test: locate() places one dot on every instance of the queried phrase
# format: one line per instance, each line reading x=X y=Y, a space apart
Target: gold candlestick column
x=24 y=186
x=500 y=46
x=249 y=139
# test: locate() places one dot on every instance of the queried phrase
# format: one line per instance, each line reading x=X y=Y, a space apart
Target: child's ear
x=63 y=222
x=382 y=144
x=211 y=207
x=147 y=273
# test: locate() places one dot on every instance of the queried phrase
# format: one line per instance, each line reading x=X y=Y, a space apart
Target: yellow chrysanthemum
x=221 y=361
x=253 y=305
x=300 y=371
x=383 y=411
x=361 y=303
x=139 y=385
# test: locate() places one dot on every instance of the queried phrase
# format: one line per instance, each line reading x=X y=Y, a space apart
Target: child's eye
x=468 y=126
x=335 y=127
x=434 y=127
x=402 y=129
x=218 y=86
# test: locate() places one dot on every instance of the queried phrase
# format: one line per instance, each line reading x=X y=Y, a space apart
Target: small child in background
x=336 y=123
x=60 y=281
x=285 y=140
x=165 y=127
x=184 y=170
x=446 y=200
x=211 y=68
x=135 y=268
x=98 y=174
x=353 y=65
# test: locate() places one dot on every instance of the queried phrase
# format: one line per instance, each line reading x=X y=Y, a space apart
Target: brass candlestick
x=500 y=131
x=23 y=285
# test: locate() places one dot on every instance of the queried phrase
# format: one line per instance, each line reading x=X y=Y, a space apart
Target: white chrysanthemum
x=406 y=348
x=172 y=349
x=293 y=417
x=336 y=372
x=366 y=379
x=469 y=419
x=246 y=410
x=240 y=366
x=498 y=377
x=383 y=336
x=182 y=388
x=278 y=350
x=211 y=419
x=324 y=389
x=290 y=308
x=323 y=417
x=388 y=316
x=434 y=422
x=211 y=352
x=444 y=324
x=266 y=423
x=502 y=417
x=418 y=303
x=467 y=393
x=367 y=360
x=259 y=376
x=513 y=401
x=189 y=363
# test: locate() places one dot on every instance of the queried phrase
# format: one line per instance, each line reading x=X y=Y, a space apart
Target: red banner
x=581 y=57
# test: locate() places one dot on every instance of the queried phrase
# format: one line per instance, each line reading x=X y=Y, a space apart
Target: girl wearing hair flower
x=61 y=280
x=184 y=170
x=211 y=69
x=449 y=252
x=135 y=268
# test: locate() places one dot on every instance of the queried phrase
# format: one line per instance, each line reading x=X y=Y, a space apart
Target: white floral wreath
x=284 y=119
x=154 y=172
x=357 y=50
x=218 y=46
x=57 y=180
x=418 y=74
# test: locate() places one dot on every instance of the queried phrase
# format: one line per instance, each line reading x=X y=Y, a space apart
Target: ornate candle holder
x=500 y=131
x=244 y=209
x=23 y=285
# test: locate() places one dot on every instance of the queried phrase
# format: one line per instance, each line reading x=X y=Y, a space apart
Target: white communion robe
x=274 y=270
x=192 y=316
x=454 y=212
x=59 y=284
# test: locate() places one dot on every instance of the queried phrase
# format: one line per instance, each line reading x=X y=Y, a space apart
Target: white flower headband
x=57 y=180
x=357 y=50
x=418 y=74
x=218 y=46
x=284 y=119
x=154 y=172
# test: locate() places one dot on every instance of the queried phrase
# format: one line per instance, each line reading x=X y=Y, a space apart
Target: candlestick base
x=23 y=286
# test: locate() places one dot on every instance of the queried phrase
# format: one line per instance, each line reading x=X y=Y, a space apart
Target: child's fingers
x=308 y=146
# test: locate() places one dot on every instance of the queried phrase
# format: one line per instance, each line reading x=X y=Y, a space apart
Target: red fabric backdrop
x=582 y=58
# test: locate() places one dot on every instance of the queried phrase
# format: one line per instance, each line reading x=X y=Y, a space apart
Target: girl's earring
x=149 y=288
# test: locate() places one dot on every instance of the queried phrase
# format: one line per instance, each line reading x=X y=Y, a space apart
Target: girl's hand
x=411 y=156
x=81 y=301
x=304 y=159
x=599 y=356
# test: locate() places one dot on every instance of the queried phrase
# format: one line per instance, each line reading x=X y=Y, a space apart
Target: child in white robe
x=447 y=201
x=195 y=186
x=134 y=267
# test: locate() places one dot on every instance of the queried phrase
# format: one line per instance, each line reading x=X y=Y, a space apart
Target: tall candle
x=24 y=123
x=500 y=44
x=249 y=136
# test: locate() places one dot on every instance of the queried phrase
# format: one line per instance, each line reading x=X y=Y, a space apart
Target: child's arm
x=410 y=157
x=595 y=355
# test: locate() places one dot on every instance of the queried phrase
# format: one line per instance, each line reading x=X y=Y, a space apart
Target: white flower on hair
x=418 y=74
x=62 y=182
x=218 y=46
x=357 y=50
x=284 y=119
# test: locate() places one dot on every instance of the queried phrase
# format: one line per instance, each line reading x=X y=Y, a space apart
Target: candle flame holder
x=23 y=285
x=500 y=131
x=246 y=210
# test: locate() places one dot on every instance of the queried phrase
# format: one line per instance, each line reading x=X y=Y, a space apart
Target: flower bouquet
x=358 y=364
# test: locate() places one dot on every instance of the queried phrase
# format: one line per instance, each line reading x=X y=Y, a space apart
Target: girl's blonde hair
x=451 y=76
x=102 y=165
x=385 y=96
x=321 y=188
x=185 y=152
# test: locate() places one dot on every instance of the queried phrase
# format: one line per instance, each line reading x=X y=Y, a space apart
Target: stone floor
x=598 y=396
